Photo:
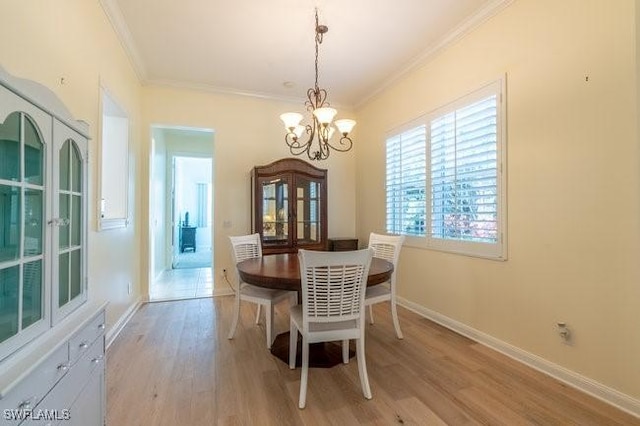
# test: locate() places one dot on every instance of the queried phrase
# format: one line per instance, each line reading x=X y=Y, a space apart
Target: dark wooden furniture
x=343 y=244
x=282 y=271
x=187 y=238
x=289 y=206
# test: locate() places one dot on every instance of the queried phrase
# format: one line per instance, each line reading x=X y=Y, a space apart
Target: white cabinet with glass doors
x=43 y=213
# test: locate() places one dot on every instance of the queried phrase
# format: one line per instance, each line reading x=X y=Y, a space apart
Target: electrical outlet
x=564 y=332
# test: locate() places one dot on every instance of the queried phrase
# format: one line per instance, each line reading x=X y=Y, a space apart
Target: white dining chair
x=332 y=308
x=248 y=247
x=385 y=247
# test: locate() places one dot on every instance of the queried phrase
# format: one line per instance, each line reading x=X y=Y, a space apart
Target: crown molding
x=203 y=87
x=489 y=10
x=114 y=14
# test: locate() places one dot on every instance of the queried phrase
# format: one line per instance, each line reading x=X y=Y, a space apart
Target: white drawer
x=28 y=393
x=84 y=338
x=54 y=408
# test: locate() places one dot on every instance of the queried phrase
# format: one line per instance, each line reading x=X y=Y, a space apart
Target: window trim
x=497 y=251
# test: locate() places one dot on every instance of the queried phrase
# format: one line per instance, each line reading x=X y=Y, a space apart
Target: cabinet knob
x=97 y=360
x=63 y=367
x=101 y=327
x=59 y=221
x=26 y=404
x=84 y=345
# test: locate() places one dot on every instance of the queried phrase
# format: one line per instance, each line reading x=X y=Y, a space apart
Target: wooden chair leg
x=345 y=351
x=396 y=323
x=304 y=377
x=362 y=368
x=268 y=314
x=293 y=343
x=236 y=316
x=258 y=314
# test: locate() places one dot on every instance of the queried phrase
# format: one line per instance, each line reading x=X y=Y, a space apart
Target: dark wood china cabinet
x=289 y=206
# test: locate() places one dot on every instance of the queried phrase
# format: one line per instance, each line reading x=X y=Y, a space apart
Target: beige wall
x=573 y=185
x=72 y=39
x=248 y=132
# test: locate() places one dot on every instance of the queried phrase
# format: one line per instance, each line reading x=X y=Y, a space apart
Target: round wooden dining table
x=282 y=271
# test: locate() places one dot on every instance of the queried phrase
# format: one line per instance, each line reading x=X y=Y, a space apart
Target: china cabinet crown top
x=45 y=99
x=290 y=165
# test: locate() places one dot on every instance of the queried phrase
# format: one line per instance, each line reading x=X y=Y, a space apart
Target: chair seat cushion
x=378 y=291
x=263 y=293
x=315 y=327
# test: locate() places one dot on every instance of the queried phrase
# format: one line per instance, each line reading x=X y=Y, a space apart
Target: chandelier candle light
x=321 y=128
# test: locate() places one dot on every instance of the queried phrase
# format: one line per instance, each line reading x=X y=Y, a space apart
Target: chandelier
x=317 y=144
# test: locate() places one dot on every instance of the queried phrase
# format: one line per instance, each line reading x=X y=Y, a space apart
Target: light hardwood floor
x=173 y=365
x=182 y=284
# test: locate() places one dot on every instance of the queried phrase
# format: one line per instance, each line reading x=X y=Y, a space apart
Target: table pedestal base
x=321 y=355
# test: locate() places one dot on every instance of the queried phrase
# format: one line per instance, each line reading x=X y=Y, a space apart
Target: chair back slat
x=384 y=251
x=246 y=247
x=333 y=284
x=386 y=247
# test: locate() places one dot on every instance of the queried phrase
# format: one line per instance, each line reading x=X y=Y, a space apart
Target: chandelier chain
x=318 y=39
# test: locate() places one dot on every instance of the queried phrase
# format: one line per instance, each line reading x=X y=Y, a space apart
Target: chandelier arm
x=316 y=98
x=345 y=144
x=310 y=102
x=316 y=134
x=324 y=149
x=296 y=147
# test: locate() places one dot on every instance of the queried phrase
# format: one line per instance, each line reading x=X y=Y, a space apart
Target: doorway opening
x=191 y=209
x=182 y=213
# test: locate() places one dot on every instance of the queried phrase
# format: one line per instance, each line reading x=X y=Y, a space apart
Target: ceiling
x=266 y=47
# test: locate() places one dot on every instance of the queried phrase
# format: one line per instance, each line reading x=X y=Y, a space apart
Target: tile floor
x=182 y=284
x=194 y=259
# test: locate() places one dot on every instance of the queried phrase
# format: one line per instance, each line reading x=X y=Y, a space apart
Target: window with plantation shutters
x=406 y=182
x=445 y=182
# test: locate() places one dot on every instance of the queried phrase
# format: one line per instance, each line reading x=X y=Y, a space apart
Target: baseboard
x=610 y=396
x=113 y=332
x=222 y=292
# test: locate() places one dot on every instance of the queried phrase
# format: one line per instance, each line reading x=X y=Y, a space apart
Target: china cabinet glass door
x=308 y=212
x=69 y=215
x=24 y=134
x=275 y=209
